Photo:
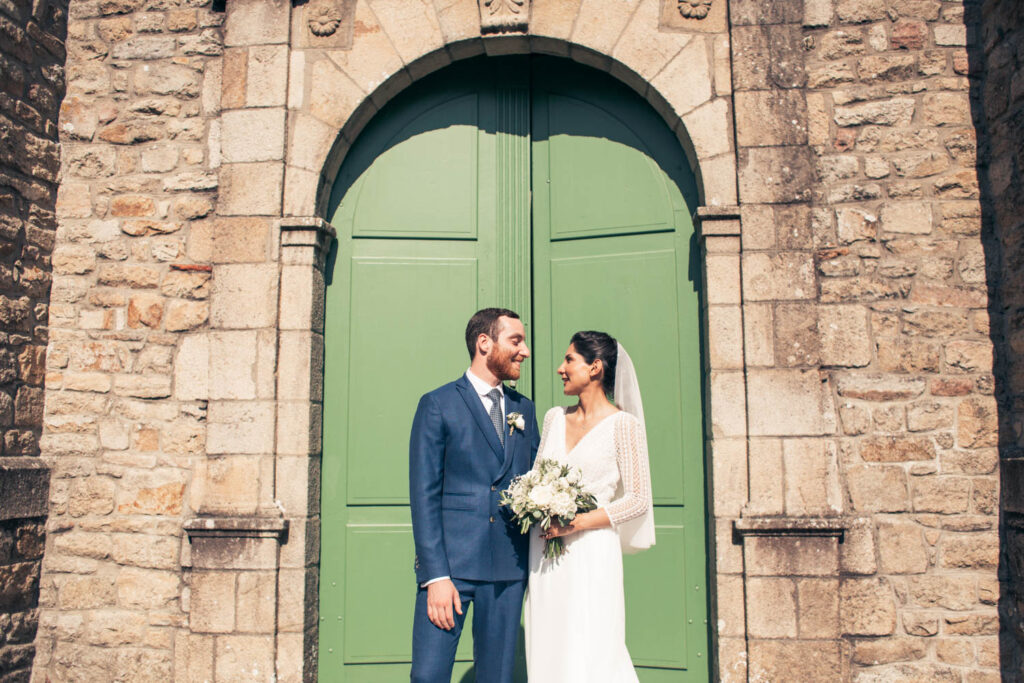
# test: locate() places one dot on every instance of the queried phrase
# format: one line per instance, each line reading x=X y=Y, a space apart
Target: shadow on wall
x=996 y=59
x=31 y=91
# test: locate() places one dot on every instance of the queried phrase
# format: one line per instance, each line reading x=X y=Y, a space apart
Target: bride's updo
x=593 y=345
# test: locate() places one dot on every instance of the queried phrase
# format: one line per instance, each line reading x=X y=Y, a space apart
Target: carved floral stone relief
x=694 y=9
x=504 y=16
x=697 y=16
x=324 y=23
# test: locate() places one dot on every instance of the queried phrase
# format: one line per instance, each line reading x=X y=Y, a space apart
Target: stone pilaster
x=305 y=245
x=726 y=428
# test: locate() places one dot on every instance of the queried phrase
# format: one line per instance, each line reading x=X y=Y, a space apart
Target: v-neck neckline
x=565 y=431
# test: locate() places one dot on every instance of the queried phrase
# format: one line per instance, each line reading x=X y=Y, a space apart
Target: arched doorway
x=546 y=187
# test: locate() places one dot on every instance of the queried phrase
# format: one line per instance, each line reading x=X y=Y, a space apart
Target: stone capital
x=308 y=238
x=718 y=221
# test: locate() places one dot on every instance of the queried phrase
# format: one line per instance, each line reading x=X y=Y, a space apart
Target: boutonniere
x=515 y=421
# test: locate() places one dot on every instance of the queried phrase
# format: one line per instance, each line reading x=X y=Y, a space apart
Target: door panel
x=588 y=204
x=448 y=182
x=390 y=297
x=608 y=173
x=435 y=218
x=416 y=206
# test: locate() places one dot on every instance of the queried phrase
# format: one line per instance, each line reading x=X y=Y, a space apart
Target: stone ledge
x=789 y=526
x=24 y=487
x=306 y=232
x=236 y=527
x=719 y=221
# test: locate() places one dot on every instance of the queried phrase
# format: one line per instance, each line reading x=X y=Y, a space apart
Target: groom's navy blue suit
x=457 y=469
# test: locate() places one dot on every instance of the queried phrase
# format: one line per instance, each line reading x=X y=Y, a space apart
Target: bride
x=575 y=612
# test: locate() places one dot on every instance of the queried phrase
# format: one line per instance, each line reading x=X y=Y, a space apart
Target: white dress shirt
x=481 y=388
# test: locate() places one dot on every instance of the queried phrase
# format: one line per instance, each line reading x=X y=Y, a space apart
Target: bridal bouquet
x=548 y=492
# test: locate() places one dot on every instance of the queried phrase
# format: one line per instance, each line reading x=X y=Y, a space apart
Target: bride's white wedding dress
x=575 y=611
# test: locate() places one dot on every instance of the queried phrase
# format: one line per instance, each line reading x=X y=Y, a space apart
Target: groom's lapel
x=483 y=421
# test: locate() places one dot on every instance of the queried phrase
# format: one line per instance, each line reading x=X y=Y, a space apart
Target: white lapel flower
x=515 y=421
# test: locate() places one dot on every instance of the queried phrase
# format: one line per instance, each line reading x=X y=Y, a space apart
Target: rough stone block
x=232 y=368
x=866 y=607
x=245 y=658
x=251 y=189
x=970 y=551
x=844 y=336
x=799 y=661
x=728 y=417
x=266 y=78
x=875 y=488
x=901 y=548
x=941 y=494
x=256 y=597
x=227 y=485
x=240 y=427
x=818 y=615
x=977 y=423
x=907 y=217
x=771 y=117
x=811 y=478
x=791 y=555
x=253 y=135
x=775 y=175
x=244 y=296
x=251 y=22
x=771 y=608
x=229 y=240
x=787 y=403
x=857 y=551
x=784 y=276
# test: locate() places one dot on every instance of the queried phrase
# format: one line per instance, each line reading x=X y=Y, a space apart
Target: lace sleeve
x=634 y=469
x=545 y=432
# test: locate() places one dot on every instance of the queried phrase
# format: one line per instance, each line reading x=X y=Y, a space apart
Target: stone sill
x=236 y=527
x=790 y=526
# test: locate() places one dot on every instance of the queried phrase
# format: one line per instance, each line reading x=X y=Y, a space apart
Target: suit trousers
x=497 y=607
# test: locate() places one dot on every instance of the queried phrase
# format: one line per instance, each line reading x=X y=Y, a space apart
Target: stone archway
x=685 y=76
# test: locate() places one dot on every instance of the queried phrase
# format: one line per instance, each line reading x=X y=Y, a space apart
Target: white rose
x=562 y=504
x=541 y=495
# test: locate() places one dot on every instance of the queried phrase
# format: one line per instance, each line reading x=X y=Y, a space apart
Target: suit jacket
x=457 y=469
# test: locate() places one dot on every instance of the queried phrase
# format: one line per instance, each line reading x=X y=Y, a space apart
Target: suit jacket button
x=494 y=488
x=492 y=519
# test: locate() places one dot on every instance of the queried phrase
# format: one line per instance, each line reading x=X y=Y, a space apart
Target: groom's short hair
x=485 y=321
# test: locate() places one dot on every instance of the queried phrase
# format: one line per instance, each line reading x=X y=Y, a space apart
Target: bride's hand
x=556 y=529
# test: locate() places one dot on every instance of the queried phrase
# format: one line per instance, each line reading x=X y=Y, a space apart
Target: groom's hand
x=441 y=597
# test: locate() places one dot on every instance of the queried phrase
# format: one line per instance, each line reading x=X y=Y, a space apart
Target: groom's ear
x=483 y=344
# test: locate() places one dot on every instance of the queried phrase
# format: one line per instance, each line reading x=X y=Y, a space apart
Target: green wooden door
x=434 y=218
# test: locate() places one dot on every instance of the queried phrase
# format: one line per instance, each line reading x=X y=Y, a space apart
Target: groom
x=465 y=448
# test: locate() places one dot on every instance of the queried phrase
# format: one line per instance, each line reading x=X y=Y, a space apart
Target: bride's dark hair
x=593 y=345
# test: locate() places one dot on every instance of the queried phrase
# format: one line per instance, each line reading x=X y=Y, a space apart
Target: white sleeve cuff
x=427 y=583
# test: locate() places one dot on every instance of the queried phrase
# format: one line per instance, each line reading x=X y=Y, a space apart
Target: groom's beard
x=501 y=365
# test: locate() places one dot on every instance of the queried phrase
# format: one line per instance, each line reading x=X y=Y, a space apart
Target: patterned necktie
x=495 y=413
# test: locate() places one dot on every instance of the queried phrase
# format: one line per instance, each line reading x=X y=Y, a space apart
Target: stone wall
x=1000 y=100
x=852 y=423
x=31 y=87
x=903 y=333
x=866 y=275
x=123 y=420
